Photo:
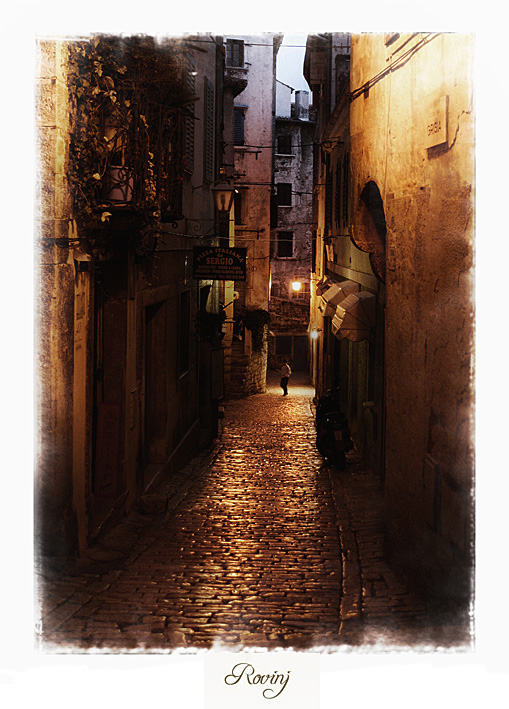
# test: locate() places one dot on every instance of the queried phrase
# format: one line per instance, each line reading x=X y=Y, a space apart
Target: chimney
x=302 y=105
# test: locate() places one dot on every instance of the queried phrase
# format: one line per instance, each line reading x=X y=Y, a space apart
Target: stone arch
x=371 y=230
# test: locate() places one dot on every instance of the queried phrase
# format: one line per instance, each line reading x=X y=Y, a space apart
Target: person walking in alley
x=285 y=376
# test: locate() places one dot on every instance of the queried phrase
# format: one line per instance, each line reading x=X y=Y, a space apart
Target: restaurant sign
x=219 y=263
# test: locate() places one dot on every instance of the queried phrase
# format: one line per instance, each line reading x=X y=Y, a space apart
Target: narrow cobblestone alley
x=256 y=544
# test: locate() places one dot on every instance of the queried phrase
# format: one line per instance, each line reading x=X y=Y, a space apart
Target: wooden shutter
x=238 y=126
x=208 y=138
x=189 y=124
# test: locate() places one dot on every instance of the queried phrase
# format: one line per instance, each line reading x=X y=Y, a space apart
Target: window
x=208 y=145
x=337 y=194
x=189 y=125
x=328 y=197
x=302 y=293
x=346 y=182
x=284 y=144
x=184 y=330
x=235 y=52
x=283 y=344
x=285 y=244
x=238 y=126
x=342 y=74
x=284 y=194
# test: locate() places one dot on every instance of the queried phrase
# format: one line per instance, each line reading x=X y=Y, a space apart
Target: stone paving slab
x=255 y=543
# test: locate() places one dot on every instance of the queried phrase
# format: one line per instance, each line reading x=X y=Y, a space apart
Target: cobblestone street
x=256 y=543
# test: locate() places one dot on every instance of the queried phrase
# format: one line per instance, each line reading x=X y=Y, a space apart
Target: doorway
x=154 y=450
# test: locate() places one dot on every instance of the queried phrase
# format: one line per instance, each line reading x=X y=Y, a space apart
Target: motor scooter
x=333 y=438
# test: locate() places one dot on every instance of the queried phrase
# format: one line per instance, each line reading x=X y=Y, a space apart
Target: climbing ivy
x=127 y=98
x=255 y=321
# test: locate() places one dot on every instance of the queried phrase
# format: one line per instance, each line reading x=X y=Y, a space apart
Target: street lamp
x=315 y=333
x=296 y=286
x=223 y=196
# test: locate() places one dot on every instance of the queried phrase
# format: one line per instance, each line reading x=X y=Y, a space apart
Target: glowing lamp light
x=296 y=286
x=315 y=334
x=223 y=196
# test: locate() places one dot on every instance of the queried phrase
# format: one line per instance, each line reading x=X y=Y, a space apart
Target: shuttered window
x=238 y=126
x=189 y=126
x=235 y=52
x=208 y=138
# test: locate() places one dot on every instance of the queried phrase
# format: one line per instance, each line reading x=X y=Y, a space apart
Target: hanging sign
x=219 y=263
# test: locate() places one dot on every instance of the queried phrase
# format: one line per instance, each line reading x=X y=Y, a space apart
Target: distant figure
x=285 y=376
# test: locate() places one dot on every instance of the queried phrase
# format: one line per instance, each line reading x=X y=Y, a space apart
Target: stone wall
x=428 y=200
x=54 y=314
x=256 y=373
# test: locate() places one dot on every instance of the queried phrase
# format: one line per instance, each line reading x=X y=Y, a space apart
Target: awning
x=334 y=295
x=322 y=285
x=355 y=316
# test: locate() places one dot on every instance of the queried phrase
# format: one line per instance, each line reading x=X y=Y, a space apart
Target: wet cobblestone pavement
x=256 y=543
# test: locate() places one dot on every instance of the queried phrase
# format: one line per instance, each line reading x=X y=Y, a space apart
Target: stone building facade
x=405 y=118
x=290 y=263
x=127 y=385
x=251 y=65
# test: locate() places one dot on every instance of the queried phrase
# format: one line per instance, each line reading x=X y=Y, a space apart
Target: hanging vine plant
x=255 y=321
x=209 y=326
x=128 y=99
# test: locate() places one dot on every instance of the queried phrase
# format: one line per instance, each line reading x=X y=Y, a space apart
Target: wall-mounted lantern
x=223 y=196
x=315 y=333
x=296 y=286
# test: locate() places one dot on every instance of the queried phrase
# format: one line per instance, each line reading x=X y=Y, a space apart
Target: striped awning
x=336 y=293
x=355 y=316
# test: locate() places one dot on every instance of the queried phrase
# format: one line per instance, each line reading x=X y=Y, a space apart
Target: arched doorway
x=367 y=368
x=371 y=230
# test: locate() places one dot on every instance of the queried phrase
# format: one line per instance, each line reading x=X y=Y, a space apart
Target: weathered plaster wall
x=295 y=169
x=254 y=165
x=55 y=516
x=428 y=202
x=253 y=170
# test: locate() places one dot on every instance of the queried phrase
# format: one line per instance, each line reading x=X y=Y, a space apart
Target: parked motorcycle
x=333 y=438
